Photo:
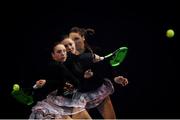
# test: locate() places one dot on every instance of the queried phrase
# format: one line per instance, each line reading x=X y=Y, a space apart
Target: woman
x=95 y=89
x=60 y=87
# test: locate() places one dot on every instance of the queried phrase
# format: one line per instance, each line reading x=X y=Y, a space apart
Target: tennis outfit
x=94 y=89
x=56 y=101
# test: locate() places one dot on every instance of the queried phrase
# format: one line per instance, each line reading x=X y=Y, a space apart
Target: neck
x=81 y=51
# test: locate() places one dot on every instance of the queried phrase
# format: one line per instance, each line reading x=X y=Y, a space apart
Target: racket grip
x=101 y=58
x=35 y=86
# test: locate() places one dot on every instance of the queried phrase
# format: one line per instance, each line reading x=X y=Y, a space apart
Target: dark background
x=29 y=28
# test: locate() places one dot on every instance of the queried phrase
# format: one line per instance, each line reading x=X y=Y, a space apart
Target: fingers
x=40 y=83
x=88 y=73
x=121 y=80
x=124 y=82
x=97 y=58
x=68 y=87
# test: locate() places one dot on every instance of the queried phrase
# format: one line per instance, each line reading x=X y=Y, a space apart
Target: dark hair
x=86 y=33
x=53 y=45
x=63 y=37
x=83 y=32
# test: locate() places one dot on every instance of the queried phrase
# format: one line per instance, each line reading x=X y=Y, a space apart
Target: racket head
x=22 y=97
x=119 y=56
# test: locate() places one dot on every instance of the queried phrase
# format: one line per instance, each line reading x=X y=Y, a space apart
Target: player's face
x=69 y=45
x=78 y=39
x=59 y=54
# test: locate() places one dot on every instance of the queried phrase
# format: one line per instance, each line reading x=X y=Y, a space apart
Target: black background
x=28 y=29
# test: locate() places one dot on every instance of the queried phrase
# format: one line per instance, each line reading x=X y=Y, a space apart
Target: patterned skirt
x=94 y=98
x=58 y=106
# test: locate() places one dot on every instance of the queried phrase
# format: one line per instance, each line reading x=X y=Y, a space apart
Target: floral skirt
x=58 y=106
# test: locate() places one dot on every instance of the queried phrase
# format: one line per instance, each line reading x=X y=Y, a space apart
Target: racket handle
x=35 y=86
x=109 y=55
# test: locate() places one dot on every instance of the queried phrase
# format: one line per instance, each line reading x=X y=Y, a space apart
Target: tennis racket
x=117 y=56
x=22 y=96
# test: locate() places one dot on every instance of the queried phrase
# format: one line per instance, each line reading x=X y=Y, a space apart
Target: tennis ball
x=16 y=87
x=170 y=33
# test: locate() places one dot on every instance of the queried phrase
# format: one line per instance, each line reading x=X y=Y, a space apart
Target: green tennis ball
x=170 y=33
x=16 y=87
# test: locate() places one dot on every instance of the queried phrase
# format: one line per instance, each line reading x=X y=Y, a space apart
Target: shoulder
x=86 y=56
